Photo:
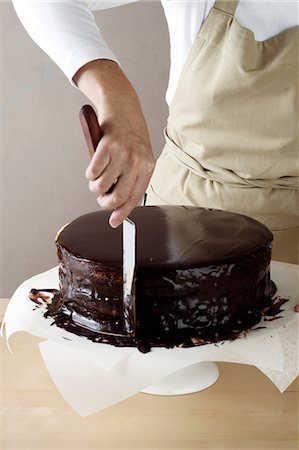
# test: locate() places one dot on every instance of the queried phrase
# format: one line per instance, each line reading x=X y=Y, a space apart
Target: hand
x=296 y=308
x=124 y=156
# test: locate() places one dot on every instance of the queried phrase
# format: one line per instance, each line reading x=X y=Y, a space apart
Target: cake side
x=206 y=302
x=173 y=307
x=91 y=293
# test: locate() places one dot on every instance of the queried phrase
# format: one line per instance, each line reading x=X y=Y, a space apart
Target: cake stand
x=188 y=380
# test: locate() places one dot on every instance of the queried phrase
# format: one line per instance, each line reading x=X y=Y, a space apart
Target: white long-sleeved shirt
x=68 y=33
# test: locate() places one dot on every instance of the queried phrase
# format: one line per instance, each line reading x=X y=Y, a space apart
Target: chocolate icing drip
x=62 y=319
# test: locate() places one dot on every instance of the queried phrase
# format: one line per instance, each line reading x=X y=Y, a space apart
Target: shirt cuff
x=79 y=58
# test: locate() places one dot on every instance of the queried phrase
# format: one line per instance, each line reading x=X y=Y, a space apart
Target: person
x=231 y=136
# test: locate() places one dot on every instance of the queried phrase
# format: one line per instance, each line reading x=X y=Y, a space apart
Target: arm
x=67 y=32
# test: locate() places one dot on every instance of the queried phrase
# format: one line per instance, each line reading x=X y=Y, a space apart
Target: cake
x=201 y=275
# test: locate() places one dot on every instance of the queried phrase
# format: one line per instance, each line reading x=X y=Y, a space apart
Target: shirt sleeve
x=67 y=31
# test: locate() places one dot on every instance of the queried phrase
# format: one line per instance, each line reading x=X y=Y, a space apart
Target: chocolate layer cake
x=201 y=275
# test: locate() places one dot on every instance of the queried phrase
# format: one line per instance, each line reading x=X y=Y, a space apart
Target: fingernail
x=114 y=223
x=88 y=172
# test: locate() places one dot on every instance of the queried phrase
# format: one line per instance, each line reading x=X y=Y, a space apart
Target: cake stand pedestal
x=194 y=378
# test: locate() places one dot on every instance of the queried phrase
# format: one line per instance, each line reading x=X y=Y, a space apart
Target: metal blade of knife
x=129 y=264
x=93 y=133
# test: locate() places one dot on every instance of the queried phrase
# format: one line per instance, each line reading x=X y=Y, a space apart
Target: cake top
x=167 y=236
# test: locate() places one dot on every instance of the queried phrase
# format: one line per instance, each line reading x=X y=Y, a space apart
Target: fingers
x=124 y=160
x=125 y=196
x=121 y=192
x=103 y=183
x=128 y=172
x=123 y=211
x=99 y=162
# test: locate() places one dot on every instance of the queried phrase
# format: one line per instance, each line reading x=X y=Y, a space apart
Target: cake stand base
x=194 y=378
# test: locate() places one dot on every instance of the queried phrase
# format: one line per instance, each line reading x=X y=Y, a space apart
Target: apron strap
x=227 y=6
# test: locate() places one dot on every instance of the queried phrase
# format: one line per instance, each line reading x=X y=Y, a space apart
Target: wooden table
x=243 y=410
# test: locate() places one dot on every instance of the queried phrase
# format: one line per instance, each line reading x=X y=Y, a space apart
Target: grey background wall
x=43 y=155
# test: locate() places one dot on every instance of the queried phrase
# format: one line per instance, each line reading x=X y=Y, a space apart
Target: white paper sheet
x=92 y=376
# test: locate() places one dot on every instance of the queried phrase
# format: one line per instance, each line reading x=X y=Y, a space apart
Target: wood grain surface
x=243 y=410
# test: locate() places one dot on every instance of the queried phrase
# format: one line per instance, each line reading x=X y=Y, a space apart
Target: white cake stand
x=188 y=380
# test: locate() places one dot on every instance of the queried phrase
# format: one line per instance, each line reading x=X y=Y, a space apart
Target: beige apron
x=231 y=137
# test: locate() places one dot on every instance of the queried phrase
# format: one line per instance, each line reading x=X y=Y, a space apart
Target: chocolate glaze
x=201 y=275
x=63 y=319
x=167 y=236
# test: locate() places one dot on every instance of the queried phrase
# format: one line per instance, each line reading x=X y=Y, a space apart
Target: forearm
x=106 y=86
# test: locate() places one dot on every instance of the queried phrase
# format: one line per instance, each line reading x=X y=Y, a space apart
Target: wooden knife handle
x=91 y=128
x=92 y=131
